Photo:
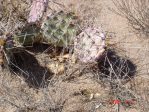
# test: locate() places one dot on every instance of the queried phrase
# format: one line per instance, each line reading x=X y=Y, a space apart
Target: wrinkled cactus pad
x=60 y=29
x=89 y=45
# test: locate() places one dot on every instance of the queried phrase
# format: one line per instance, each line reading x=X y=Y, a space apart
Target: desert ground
x=32 y=86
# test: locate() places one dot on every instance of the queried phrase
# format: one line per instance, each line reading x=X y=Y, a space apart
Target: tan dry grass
x=13 y=14
x=62 y=93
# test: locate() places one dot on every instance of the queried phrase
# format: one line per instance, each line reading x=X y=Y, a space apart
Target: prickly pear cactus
x=30 y=34
x=8 y=47
x=89 y=45
x=37 y=9
x=60 y=29
x=6 y=43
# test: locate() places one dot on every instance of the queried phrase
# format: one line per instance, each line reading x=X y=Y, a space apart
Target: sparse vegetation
x=136 y=12
x=44 y=76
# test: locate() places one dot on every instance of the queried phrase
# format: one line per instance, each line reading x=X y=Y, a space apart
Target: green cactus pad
x=60 y=29
x=29 y=35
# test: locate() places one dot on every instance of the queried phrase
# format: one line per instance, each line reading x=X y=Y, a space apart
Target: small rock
x=91 y=96
x=97 y=95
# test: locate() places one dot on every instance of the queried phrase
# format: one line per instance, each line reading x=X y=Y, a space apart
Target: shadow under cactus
x=41 y=48
x=27 y=65
x=48 y=49
x=113 y=66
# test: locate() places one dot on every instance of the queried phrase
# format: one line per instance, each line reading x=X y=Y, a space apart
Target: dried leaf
x=56 y=68
x=2 y=41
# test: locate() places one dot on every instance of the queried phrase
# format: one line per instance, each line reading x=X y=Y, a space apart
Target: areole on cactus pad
x=89 y=45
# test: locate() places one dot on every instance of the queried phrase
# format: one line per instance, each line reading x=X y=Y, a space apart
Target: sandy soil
x=36 y=91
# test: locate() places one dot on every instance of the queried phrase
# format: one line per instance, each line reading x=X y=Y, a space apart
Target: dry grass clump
x=32 y=87
x=136 y=12
x=13 y=14
x=16 y=96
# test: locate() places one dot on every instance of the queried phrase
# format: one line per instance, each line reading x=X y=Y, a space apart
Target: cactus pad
x=89 y=45
x=60 y=29
x=30 y=34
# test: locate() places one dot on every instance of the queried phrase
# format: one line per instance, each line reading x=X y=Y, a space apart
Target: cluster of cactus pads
x=61 y=30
